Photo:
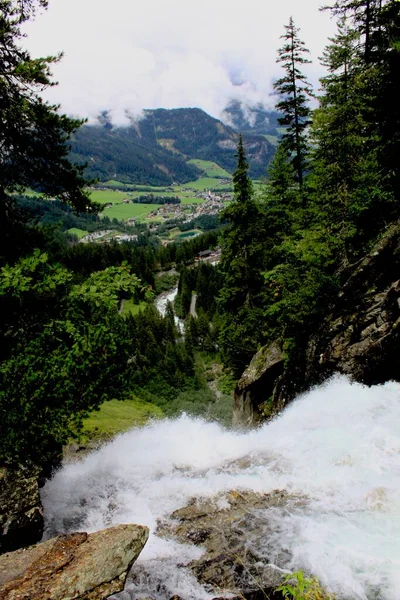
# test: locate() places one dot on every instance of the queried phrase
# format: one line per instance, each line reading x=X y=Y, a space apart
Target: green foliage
x=226 y=384
x=64 y=352
x=242 y=256
x=295 y=92
x=117 y=416
x=165 y=282
x=106 y=288
x=33 y=134
x=299 y=587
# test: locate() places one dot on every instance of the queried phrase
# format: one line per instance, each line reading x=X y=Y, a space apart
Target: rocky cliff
x=78 y=566
x=21 y=514
x=360 y=338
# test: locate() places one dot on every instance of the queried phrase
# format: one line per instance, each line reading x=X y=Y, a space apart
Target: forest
x=332 y=189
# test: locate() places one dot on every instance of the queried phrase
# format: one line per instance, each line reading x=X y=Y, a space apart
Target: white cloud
x=130 y=55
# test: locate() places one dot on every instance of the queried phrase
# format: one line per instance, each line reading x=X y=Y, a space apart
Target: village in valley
x=171 y=218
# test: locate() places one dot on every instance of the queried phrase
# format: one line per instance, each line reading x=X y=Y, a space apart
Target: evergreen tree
x=338 y=134
x=281 y=197
x=241 y=263
x=33 y=135
x=295 y=91
x=356 y=129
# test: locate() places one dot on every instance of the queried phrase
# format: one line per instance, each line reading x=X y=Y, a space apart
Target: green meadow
x=205 y=183
x=209 y=168
x=122 y=212
x=80 y=233
x=117 y=416
x=105 y=196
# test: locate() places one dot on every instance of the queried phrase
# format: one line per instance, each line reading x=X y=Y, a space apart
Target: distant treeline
x=152 y=199
x=46 y=212
x=142 y=256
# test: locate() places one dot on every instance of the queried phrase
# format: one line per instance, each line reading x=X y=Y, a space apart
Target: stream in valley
x=336 y=447
x=161 y=304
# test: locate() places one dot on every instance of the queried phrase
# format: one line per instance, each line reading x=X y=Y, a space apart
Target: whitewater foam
x=338 y=445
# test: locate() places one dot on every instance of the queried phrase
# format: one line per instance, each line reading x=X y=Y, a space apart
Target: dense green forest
x=332 y=189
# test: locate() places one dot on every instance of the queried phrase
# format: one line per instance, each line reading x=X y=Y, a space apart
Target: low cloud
x=128 y=56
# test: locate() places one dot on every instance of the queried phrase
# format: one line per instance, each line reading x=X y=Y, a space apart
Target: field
x=206 y=183
x=122 y=212
x=80 y=233
x=117 y=416
x=210 y=169
x=105 y=196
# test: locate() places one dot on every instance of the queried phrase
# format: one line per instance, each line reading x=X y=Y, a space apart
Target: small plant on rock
x=297 y=586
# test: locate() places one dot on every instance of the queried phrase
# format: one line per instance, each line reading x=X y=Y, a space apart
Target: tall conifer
x=295 y=92
x=241 y=265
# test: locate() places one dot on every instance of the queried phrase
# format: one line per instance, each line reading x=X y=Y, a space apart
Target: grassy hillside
x=209 y=168
x=116 y=416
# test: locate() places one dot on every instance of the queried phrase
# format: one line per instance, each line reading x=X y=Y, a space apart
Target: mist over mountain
x=255 y=119
x=155 y=148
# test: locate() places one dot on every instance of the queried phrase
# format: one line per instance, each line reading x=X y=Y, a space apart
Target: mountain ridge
x=156 y=148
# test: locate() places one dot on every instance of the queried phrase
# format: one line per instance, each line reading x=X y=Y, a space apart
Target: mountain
x=155 y=149
x=255 y=119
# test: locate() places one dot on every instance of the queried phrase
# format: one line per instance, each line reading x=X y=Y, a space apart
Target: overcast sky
x=135 y=54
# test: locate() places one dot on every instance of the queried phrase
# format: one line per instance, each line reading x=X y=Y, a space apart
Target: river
x=161 y=304
x=338 y=446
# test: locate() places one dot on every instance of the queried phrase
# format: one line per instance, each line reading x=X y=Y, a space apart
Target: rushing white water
x=161 y=305
x=339 y=445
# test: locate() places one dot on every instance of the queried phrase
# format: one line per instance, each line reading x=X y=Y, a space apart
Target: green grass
x=205 y=183
x=32 y=193
x=80 y=233
x=104 y=196
x=117 y=416
x=123 y=212
x=129 y=307
x=112 y=183
x=209 y=168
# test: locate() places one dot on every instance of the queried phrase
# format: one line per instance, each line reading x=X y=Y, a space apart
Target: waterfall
x=337 y=446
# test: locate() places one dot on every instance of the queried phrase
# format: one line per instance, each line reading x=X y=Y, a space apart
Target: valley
x=166 y=210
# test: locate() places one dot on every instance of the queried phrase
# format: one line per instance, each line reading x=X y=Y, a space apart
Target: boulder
x=75 y=566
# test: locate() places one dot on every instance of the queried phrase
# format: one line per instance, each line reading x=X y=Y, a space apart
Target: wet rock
x=21 y=513
x=231 y=529
x=76 y=566
x=257 y=384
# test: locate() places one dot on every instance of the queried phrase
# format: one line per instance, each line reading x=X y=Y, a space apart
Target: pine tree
x=295 y=91
x=281 y=197
x=356 y=129
x=241 y=265
x=33 y=135
x=337 y=132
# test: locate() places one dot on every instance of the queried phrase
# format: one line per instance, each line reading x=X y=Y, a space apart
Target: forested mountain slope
x=155 y=149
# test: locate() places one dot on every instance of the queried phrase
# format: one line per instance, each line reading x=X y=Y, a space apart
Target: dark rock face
x=257 y=384
x=21 y=514
x=75 y=566
x=360 y=338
